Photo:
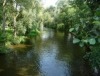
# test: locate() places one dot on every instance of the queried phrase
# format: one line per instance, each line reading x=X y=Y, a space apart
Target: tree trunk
x=41 y=26
x=4 y=18
x=15 y=26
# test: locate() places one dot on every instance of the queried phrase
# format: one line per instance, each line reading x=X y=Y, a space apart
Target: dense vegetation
x=20 y=19
x=80 y=18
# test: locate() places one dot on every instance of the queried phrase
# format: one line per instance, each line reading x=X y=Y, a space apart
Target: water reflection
x=50 y=56
x=50 y=65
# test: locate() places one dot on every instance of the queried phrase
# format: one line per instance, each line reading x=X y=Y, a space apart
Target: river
x=51 y=55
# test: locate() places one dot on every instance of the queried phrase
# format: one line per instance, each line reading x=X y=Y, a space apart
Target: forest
x=23 y=20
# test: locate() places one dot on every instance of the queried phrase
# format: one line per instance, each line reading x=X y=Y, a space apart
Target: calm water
x=52 y=55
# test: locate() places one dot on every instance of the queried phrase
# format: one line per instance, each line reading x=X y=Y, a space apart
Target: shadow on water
x=51 y=55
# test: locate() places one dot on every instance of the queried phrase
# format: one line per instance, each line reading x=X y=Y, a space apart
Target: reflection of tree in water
x=5 y=70
x=78 y=65
x=64 y=58
x=20 y=63
x=73 y=56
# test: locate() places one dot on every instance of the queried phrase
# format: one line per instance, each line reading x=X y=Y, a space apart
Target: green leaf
x=81 y=44
x=92 y=41
x=97 y=22
x=76 y=28
x=71 y=29
x=99 y=40
x=75 y=40
x=85 y=40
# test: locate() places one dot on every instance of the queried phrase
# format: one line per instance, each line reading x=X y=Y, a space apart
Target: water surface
x=51 y=55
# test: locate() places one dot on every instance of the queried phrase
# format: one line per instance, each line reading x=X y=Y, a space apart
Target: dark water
x=52 y=55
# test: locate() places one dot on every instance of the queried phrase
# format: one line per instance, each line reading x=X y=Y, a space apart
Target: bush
x=33 y=33
x=18 y=40
x=3 y=50
x=94 y=56
x=60 y=27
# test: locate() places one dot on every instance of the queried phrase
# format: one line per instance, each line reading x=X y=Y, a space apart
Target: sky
x=48 y=3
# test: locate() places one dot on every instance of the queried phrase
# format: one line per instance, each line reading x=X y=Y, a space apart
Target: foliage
x=18 y=40
x=3 y=50
x=94 y=56
x=86 y=29
x=82 y=19
x=33 y=33
x=19 y=19
x=25 y=18
x=60 y=26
